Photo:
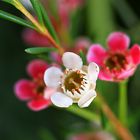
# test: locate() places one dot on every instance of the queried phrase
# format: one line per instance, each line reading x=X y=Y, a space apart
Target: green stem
x=119 y=128
x=100 y=19
x=123 y=102
x=86 y=114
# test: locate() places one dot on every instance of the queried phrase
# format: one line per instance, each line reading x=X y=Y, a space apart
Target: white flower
x=75 y=85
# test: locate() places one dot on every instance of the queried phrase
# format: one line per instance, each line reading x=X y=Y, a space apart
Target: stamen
x=73 y=90
x=116 y=62
x=82 y=82
x=66 y=71
x=78 y=71
x=73 y=82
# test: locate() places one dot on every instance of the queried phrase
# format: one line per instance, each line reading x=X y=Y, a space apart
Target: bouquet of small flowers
x=69 y=64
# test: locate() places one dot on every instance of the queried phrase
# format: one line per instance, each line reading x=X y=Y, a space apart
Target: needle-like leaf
x=48 y=24
x=15 y=19
x=39 y=50
x=36 y=6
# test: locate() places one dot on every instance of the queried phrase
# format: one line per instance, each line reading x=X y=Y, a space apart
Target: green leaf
x=82 y=55
x=39 y=50
x=103 y=120
x=8 y=1
x=15 y=19
x=35 y=4
x=48 y=24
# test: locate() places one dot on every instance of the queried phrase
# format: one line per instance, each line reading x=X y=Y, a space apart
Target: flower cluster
x=76 y=84
x=67 y=73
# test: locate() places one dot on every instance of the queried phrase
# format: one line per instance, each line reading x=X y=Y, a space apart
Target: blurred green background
x=17 y=122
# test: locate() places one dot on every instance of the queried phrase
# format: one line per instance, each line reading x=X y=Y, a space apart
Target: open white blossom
x=75 y=85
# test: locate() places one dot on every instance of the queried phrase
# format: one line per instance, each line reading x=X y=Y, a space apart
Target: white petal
x=48 y=92
x=93 y=71
x=86 y=99
x=52 y=77
x=72 y=60
x=61 y=100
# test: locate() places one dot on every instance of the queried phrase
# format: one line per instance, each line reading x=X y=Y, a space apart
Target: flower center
x=116 y=62
x=40 y=89
x=74 y=81
x=40 y=86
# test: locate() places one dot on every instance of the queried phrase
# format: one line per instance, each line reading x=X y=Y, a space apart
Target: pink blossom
x=117 y=62
x=56 y=57
x=101 y=135
x=81 y=44
x=65 y=7
x=34 y=38
x=71 y=4
x=34 y=91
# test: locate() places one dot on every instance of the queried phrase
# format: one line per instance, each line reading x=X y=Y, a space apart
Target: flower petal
x=86 y=99
x=72 y=60
x=105 y=76
x=61 y=100
x=135 y=53
x=81 y=44
x=126 y=73
x=118 y=41
x=48 y=92
x=34 y=38
x=52 y=77
x=96 y=54
x=38 y=104
x=36 y=68
x=24 y=89
x=93 y=71
x=56 y=57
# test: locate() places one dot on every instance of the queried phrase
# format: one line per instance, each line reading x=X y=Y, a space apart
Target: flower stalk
x=84 y=113
x=120 y=129
x=40 y=28
x=123 y=102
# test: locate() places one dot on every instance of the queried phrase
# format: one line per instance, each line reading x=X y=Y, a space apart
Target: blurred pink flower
x=65 y=7
x=101 y=135
x=118 y=62
x=71 y=4
x=56 y=57
x=34 y=38
x=34 y=91
x=82 y=44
